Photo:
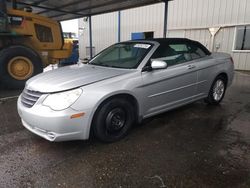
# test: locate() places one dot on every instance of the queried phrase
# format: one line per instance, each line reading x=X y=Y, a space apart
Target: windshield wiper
x=105 y=65
x=113 y=66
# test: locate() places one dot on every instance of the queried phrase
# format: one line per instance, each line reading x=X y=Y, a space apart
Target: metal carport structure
x=72 y=9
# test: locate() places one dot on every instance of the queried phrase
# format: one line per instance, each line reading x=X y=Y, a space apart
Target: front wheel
x=217 y=91
x=113 y=120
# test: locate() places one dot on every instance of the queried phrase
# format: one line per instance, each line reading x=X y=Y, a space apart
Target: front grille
x=29 y=98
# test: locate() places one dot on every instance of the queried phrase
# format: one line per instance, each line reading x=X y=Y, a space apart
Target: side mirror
x=158 y=64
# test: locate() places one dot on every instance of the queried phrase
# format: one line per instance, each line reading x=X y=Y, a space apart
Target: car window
x=123 y=55
x=196 y=52
x=120 y=53
x=172 y=54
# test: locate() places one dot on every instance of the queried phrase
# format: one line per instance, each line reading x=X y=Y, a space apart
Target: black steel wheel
x=113 y=120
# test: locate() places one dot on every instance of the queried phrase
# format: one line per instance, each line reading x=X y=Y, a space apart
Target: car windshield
x=123 y=55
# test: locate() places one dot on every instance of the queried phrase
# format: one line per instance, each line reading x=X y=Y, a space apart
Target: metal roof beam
x=114 y=2
x=51 y=9
x=38 y=2
x=72 y=9
x=100 y=5
x=63 y=6
x=93 y=7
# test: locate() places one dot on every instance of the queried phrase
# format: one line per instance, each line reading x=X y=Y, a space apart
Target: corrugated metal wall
x=192 y=18
x=143 y=19
x=105 y=26
x=104 y=32
x=224 y=40
x=187 y=18
x=207 y=13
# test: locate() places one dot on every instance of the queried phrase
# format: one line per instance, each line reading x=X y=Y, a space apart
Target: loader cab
x=31 y=43
x=44 y=33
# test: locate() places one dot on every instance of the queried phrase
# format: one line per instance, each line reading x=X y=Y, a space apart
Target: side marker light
x=77 y=115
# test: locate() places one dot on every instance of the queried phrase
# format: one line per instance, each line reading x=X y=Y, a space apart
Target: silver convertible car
x=122 y=85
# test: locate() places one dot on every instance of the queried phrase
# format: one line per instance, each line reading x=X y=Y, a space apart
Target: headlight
x=63 y=100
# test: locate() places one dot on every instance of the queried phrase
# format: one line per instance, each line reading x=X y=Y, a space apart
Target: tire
x=113 y=120
x=217 y=90
x=18 y=64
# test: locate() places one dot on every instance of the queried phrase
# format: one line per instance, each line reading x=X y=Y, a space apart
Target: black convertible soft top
x=163 y=41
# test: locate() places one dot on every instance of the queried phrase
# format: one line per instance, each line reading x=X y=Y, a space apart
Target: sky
x=70 y=26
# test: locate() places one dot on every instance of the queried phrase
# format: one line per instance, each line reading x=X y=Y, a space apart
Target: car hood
x=71 y=77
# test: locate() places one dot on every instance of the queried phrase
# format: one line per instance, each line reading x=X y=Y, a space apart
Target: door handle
x=191 y=66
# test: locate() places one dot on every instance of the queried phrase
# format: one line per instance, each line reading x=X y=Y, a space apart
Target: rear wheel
x=217 y=91
x=113 y=120
x=17 y=65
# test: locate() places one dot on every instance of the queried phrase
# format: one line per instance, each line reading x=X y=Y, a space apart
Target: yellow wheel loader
x=28 y=43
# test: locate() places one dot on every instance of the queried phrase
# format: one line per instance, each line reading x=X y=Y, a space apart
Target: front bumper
x=54 y=125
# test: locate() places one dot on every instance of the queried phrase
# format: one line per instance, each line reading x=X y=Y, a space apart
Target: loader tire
x=18 y=64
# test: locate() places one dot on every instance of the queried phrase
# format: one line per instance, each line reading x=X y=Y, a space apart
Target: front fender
x=91 y=100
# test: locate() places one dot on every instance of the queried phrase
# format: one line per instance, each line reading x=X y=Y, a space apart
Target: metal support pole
x=90 y=38
x=3 y=16
x=119 y=26
x=3 y=8
x=14 y=4
x=165 y=29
